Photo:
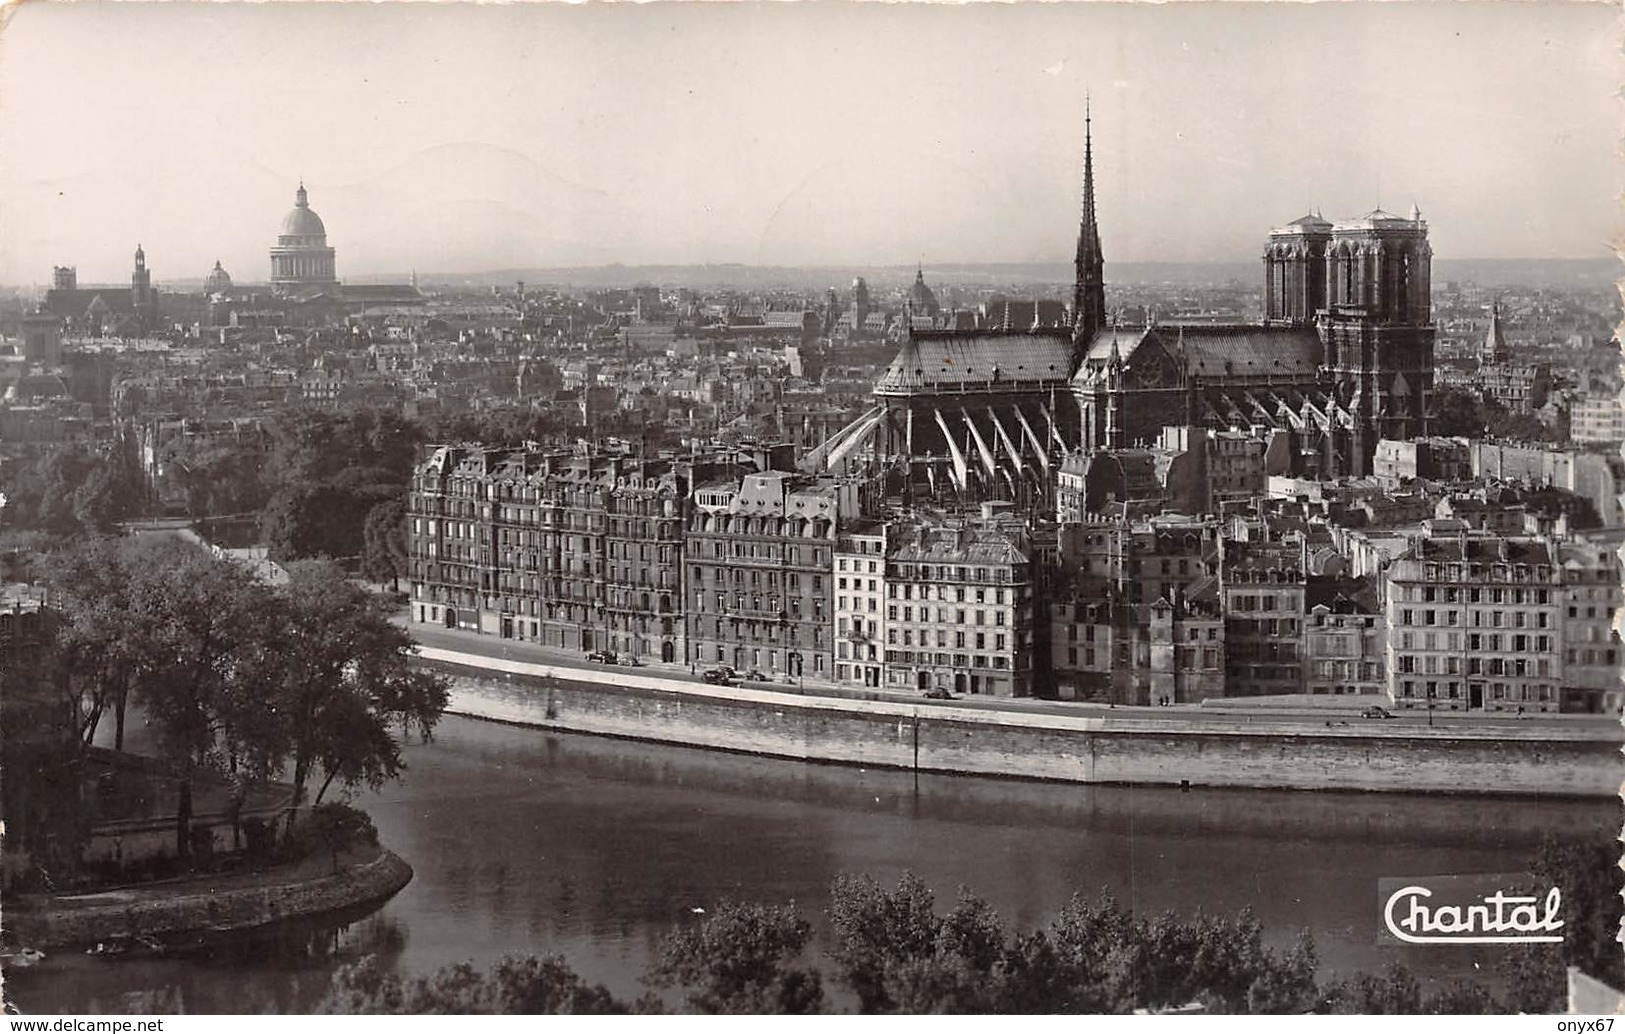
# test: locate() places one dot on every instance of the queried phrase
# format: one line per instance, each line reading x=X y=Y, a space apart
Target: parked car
x=630 y=660
x=938 y=693
x=719 y=676
x=1376 y=712
x=755 y=675
x=602 y=656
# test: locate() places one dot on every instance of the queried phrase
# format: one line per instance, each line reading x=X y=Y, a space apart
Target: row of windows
x=1186 y=658
x=942 y=615
x=1262 y=604
x=1478 y=618
x=1433 y=664
x=1348 y=671
x=764 y=551
x=1485 y=572
x=857 y=565
x=947 y=660
x=1476 y=641
x=960 y=639
x=944 y=573
x=1261 y=626
x=1609 y=657
x=1497 y=690
x=757 y=604
x=943 y=592
x=738 y=577
x=1472 y=594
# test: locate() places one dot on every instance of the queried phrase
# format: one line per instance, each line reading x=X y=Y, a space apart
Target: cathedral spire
x=1089 y=287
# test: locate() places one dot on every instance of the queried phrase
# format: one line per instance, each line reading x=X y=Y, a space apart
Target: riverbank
x=207 y=905
x=1459 y=757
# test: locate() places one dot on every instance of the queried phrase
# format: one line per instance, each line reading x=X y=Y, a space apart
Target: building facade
x=960 y=607
x=760 y=589
x=1593 y=660
x=860 y=605
x=580 y=551
x=1475 y=623
x=1263 y=590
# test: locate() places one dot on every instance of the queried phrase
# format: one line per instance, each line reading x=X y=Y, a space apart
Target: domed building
x=301 y=258
x=921 y=298
x=218 y=281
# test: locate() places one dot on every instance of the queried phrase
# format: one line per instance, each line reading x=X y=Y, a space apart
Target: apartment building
x=1343 y=638
x=760 y=559
x=1593 y=660
x=1475 y=623
x=577 y=550
x=1263 y=589
x=959 y=606
x=860 y=604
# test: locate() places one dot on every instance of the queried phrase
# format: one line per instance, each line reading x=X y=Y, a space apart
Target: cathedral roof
x=1216 y=351
x=942 y=359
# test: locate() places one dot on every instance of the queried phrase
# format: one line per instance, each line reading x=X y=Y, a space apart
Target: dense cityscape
x=1073 y=498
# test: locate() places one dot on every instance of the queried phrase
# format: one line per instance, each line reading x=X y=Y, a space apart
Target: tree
x=41 y=752
x=876 y=929
x=737 y=961
x=898 y=955
x=1588 y=875
x=1395 y=992
x=342 y=682
x=325 y=473
x=199 y=660
x=99 y=642
x=338 y=827
x=524 y=985
x=385 y=555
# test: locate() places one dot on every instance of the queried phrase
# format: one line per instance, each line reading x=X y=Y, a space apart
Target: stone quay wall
x=1551 y=758
x=75 y=922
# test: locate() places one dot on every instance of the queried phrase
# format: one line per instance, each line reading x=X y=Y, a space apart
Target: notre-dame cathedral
x=1342 y=359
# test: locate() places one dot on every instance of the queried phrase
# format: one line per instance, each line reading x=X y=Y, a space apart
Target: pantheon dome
x=301 y=257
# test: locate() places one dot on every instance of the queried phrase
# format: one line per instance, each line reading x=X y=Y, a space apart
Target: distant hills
x=1567 y=274
x=1534 y=273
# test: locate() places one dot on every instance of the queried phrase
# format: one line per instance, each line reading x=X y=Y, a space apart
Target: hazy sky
x=452 y=138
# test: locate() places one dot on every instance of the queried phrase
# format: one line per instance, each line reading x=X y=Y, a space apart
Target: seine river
x=525 y=841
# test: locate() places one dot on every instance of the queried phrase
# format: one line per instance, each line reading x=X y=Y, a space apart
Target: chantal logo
x=1456 y=910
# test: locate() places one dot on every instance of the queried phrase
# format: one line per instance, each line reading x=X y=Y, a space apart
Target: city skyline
x=470 y=139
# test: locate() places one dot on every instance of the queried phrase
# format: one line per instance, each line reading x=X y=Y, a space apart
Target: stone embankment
x=197 y=906
x=1546 y=758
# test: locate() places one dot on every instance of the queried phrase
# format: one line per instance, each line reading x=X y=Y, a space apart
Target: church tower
x=1295 y=271
x=1089 y=284
x=141 y=298
x=1378 y=331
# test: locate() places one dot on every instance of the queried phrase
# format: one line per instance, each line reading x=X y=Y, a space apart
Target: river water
x=526 y=841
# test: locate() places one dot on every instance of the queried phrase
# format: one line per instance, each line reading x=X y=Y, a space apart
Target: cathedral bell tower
x=1378 y=330
x=1295 y=272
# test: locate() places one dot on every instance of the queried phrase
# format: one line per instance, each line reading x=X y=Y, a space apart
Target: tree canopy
x=309 y=678
x=896 y=953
